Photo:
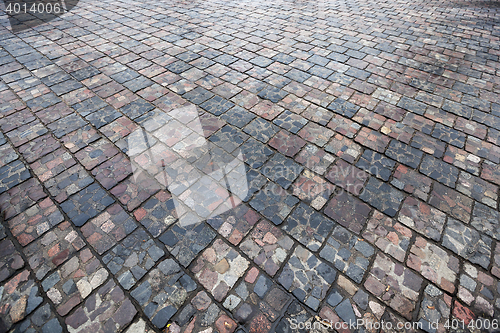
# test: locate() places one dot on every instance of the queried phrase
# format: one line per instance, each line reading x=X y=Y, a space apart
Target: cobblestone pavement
x=370 y=135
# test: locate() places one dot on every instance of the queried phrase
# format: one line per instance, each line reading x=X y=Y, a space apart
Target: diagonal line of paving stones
x=388 y=208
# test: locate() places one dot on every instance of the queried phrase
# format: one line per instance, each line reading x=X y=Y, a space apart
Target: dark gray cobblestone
x=130 y=260
x=348 y=253
x=309 y=288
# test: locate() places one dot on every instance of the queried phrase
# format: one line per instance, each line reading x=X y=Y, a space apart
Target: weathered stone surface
x=467 y=243
x=394 y=285
x=267 y=246
x=218 y=269
x=348 y=253
x=310 y=288
x=109 y=308
x=163 y=291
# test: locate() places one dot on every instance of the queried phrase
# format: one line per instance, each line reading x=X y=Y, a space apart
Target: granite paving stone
x=273 y=202
x=157 y=213
x=133 y=85
x=344 y=126
x=217 y=105
x=237 y=116
x=314 y=159
x=439 y=170
x=103 y=117
x=218 y=269
x=479 y=291
x=136 y=108
x=43 y=319
x=368 y=142
x=348 y=211
x=114 y=170
x=281 y=169
x=255 y=181
x=312 y=189
x=267 y=110
x=348 y=306
x=404 y=154
x=343 y=107
x=108 y=228
x=485 y=219
x=267 y=246
x=235 y=224
x=133 y=191
x=108 y=309
x=347 y=176
x=186 y=242
x=16 y=120
x=68 y=182
x=463 y=160
x=255 y=154
x=163 y=291
x=53 y=249
x=372 y=139
x=435 y=309
x=467 y=243
x=96 y=153
x=52 y=164
x=428 y=144
x=344 y=148
x=394 y=284
x=38 y=147
x=19 y=198
x=228 y=138
x=495 y=269
x=13 y=174
x=412 y=182
x=376 y=164
x=132 y=258
x=491 y=172
x=140 y=326
x=11 y=260
x=307 y=277
x=422 y=218
x=286 y=143
x=483 y=149
x=370 y=119
x=25 y=133
x=20 y=297
x=257 y=302
x=451 y=202
x=201 y=314
x=388 y=235
x=398 y=131
x=66 y=125
x=74 y=281
x=477 y=188
x=308 y=226
x=35 y=221
x=295 y=313
x=290 y=121
x=80 y=138
x=348 y=253
x=316 y=134
x=434 y=263
x=382 y=196
x=449 y=135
